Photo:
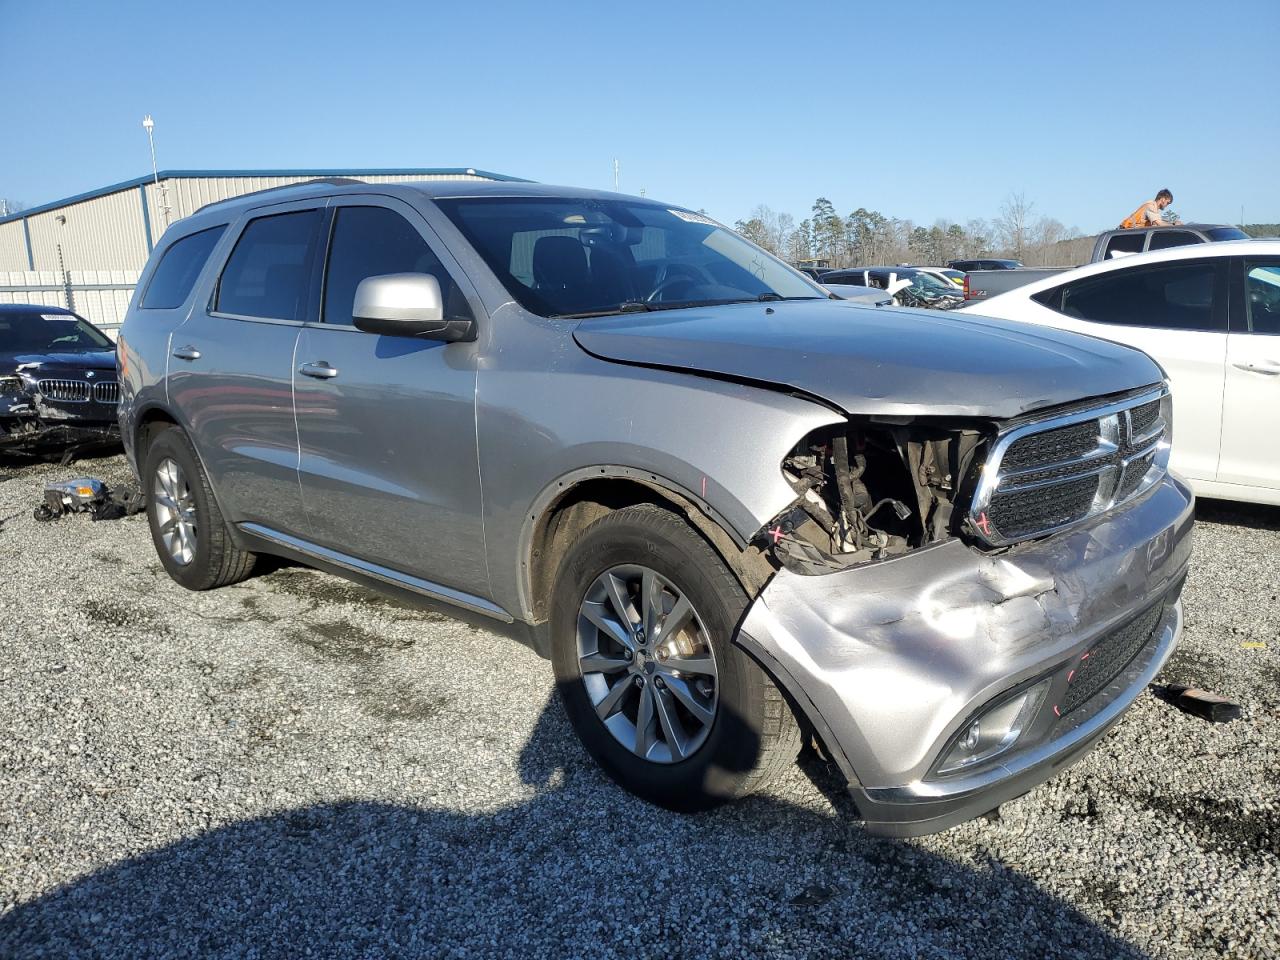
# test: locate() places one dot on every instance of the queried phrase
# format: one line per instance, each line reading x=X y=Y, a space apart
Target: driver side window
x=1262 y=296
x=374 y=241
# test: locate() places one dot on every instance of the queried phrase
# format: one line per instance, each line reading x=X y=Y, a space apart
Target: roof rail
x=333 y=181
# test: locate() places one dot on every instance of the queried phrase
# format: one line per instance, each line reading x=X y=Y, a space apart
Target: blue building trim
x=26 y=234
x=146 y=216
x=189 y=174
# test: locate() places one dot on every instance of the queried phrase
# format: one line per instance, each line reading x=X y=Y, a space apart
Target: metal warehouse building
x=85 y=252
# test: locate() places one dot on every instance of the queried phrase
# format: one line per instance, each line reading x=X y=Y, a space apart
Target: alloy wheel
x=175 y=511
x=647 y=663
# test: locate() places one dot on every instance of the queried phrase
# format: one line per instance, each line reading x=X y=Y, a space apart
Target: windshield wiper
x=627 y=306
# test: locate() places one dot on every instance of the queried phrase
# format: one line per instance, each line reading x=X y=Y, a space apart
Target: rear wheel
x=642 y=617
x=188 y=531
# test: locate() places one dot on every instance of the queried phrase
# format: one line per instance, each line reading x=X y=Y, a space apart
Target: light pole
x=149 y=125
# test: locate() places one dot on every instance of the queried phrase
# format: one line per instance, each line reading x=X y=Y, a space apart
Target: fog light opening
x=994 y=731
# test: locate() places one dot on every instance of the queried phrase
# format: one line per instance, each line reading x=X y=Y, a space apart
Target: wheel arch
x=570 y=504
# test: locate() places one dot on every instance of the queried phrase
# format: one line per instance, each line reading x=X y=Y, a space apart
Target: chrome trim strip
x=1109 y=416
x=922 y=791
x=394 y=577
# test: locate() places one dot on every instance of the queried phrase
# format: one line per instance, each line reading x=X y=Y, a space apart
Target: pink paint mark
x=1070 y=675
x=704 y=488
x=1056 y=713
x=776 y=533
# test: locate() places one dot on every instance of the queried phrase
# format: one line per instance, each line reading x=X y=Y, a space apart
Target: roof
x=432 y=189
x=196 y=174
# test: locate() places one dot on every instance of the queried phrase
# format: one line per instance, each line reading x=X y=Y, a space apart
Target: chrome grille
x=1051 y=474
x=70 y=391
x=106 y=391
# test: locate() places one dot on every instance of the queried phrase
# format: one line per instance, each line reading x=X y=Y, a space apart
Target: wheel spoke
x=650 y=603
x=680 y=690
x=595 y=612
x=671 y=728
x=644 y=722
x=617 y=592
x=612 y=702
x=676 y=620
x=166 y=528
x=699 y=663
x=599 y=663
x=167 y=502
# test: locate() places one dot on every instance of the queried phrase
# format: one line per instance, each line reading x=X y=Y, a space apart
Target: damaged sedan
x=58 y=388
x=733 y=511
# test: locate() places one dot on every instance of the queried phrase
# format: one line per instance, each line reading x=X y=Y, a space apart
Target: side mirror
x=406 y=305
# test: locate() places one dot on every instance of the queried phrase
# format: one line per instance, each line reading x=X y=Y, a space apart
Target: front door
x=386 y=425
x=1251 y=401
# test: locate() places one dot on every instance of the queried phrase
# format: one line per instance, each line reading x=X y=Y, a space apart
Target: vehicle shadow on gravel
x=1259 y=516
x=580 y=869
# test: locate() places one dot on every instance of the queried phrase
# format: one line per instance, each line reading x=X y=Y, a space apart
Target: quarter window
x=1262 y=296
x=373 y=242
x=178 y=269
x=1125 y=243
x=1181 y=296
x=268 y=272
x=1163 y=239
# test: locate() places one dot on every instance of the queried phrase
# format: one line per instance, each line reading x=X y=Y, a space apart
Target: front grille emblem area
x=1055 y=473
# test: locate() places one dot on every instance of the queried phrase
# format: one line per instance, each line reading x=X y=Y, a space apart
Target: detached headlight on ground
x=992 y=733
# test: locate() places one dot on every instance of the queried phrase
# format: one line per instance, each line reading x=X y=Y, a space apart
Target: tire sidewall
x=731 y=750
x=171 y=444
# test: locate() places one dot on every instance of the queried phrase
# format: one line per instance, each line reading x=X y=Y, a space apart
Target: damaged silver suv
x=730 y=509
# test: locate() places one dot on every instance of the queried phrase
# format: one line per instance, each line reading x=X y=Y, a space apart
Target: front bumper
x=889 y=660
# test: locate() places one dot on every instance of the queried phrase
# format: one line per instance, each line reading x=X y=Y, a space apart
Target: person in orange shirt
x=1151 y=213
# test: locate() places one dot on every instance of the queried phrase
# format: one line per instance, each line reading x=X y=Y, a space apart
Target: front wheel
x=642 y=617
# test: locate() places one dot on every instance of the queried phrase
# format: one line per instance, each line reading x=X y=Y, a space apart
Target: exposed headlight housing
x=10 y=384
x=994 y=731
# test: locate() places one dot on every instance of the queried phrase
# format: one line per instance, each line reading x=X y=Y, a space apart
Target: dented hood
x=86 y=359
x=877 y=360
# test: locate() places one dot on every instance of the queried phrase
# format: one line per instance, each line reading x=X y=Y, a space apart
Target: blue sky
x=918 y=110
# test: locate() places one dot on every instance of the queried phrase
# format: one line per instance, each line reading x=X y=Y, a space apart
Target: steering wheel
x=667 y=280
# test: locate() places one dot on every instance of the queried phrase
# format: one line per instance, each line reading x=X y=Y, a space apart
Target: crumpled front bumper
x=889 y=660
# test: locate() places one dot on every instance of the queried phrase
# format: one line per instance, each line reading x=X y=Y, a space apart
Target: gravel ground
x=296 y=766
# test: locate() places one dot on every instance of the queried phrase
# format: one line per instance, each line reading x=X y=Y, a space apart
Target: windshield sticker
x=57 y=318
x=688 y=217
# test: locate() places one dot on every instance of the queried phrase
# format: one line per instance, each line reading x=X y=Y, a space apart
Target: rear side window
x=268 y=272
x=373 y=242
x=1181 y=296
x=1163 y=239
x=178 y=269
x=1124 y=243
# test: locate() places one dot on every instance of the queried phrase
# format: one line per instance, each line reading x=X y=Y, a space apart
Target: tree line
x=869 y=238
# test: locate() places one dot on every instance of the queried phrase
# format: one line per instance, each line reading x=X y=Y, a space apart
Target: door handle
x=1270 y=368
x=318 y=369
x=187 y=353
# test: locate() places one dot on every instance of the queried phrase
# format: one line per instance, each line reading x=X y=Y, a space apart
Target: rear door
x=1177 y=313
x=386 y=425
x=231 y=366
x=1251 y=404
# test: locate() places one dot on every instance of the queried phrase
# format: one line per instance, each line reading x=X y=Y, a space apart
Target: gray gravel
x=298 y=767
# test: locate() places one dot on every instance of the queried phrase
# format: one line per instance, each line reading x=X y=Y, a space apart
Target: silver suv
x=731 y=510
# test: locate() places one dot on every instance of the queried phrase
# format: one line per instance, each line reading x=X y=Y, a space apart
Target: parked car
x=871 y=296
x=984 y=263
x=58 y=388
x=728 y=507
x=924 y=289
x=983 y=284
x=1210 y=315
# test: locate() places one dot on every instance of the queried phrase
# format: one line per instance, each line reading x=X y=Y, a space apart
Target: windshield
x=43 y=332
x=1226 y=233
x=928 y=283
x=568 y=257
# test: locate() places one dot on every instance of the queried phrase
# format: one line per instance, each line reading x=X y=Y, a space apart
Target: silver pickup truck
x=984 y=284
x=731 y=509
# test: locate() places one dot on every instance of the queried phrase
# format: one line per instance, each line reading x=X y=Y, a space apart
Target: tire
x=207 y=558
x=752 y=736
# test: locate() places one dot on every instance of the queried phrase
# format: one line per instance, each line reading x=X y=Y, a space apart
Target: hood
x=86 y=359
x=877 y=360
